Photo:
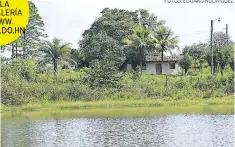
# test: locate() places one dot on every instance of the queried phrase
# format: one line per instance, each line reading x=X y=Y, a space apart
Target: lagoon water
x=191 y=130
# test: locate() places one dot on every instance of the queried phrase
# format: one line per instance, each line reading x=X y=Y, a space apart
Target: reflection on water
x=171 y=130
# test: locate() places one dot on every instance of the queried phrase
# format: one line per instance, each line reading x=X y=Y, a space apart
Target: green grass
x=115 y=112
x=120 y=104
x=125 y=108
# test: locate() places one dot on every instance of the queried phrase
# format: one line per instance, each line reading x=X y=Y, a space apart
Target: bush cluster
x=36 y=87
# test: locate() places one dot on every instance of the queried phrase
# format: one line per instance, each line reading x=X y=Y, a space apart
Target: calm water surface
x=161 y=131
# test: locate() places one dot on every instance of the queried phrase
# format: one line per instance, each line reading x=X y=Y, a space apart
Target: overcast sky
x=67 y=19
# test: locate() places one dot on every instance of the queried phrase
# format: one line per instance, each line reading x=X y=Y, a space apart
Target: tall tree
x=231 y=57
x=219 y=43
x=119 y=24
x=103 y=73
x=140 y=41
x=103 y=53
x=116 y=23
x=225 y=57
x=186 y=63
x=100 y=46
x=149 y=20
x=55 y=52
x=197 y=51
x=30 y=40
x=79 y=58
x=164 y=40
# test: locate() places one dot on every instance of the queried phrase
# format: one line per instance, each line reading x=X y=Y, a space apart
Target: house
x=153 y=65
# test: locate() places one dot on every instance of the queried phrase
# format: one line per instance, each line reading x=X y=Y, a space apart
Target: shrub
x=72 y=85
x=230 y=84
x=102 y=73
x=181 y=84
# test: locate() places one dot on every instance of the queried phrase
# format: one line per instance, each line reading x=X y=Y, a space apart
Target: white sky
x=67 y=19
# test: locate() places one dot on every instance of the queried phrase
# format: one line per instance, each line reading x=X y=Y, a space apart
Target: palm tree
x=55 y=52
x=164 y=40
x=139 y=40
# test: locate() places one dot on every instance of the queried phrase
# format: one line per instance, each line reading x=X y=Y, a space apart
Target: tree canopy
x=55 y=52
x=164 y=40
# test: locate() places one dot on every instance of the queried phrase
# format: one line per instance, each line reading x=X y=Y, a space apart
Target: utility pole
x=227 y=33
x=212 y=59
x=212 y=62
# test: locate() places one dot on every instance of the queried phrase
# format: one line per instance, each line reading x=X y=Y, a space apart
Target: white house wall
x=128 y=67
x=151 y=68
x=167 y=70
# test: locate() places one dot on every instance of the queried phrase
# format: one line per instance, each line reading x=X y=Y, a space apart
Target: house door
x=158 y=69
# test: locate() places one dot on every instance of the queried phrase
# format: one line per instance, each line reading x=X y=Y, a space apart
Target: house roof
x=165 y=58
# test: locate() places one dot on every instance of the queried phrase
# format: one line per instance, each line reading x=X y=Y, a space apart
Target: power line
x=194 y=33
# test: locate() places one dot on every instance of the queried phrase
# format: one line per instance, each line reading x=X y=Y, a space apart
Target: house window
x=144 y=67
x=172 y=65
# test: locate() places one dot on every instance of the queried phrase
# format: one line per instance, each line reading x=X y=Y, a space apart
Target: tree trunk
x=12 y=51
x=141 y=63
x=186 y=70
x=24 y=45
x=134 y=65
x=166 y=87
x=231 y=64
x=200 y=68
x=77 y=66
x=55 y=67
x=141 y=60
x=222 y=71
x=166 y=80
x=214 y=70
x=162 y=62
x=16 y=49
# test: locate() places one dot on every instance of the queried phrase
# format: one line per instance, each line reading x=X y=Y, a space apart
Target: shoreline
x=63 y=105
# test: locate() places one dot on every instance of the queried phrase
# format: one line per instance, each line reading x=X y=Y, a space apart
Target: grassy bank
x=108 y=109
x=117 y=112
x=60 y=105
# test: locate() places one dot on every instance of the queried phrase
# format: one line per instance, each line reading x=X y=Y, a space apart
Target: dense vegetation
x=42 y=71
x=34 y=87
